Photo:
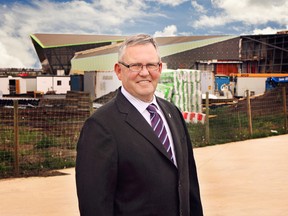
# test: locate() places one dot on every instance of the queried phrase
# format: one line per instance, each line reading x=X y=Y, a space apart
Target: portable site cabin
x=256 y=85
x=31 y=84
x=21 y=85
x=4 y=85
x=55 y=84
x=99 y=83
x=17 y=85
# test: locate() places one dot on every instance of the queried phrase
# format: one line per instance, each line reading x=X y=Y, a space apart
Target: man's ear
x=160 y=67
x=117 y=69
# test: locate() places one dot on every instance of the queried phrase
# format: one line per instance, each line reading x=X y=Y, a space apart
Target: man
x=122 y=167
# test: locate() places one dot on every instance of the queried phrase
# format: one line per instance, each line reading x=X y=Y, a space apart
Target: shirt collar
x=137 y=103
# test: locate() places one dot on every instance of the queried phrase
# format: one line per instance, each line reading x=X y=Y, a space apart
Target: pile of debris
x=105 y=98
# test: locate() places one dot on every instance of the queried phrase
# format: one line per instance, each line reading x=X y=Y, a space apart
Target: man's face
x=141 y=85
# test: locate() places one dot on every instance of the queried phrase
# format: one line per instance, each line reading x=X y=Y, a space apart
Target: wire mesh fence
x=42 y=136
x=246 y=118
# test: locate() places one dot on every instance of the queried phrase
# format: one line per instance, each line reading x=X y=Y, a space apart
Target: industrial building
x=220 y=55
x=66 y=54
x=185 y=52
x=264 y=53
x=55 y=51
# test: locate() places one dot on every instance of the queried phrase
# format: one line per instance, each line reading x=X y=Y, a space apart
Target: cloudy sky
x=20 y=18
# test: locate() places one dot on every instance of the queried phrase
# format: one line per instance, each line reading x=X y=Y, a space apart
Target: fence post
x=91 y=104
x=207 y=131
x=249 y=113
x=16 y=139
x=285 y=108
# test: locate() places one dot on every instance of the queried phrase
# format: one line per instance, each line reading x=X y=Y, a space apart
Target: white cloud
x=199 y=8
x=210 y=21
x=170 y=2
x=249 y=12
x=267 y=30
x=18 y=21
x=168 y=31
x=7 y=59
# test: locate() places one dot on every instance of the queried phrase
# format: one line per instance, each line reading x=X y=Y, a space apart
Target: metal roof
x=200 y=41
x=113 y=48
x=60 y=40
x=167 y=45
x=103 y=58
x=182 y=39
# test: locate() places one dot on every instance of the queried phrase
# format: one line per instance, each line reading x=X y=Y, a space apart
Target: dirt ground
x=248 y=178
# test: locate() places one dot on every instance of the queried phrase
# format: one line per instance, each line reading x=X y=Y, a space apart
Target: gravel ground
x=247 y=178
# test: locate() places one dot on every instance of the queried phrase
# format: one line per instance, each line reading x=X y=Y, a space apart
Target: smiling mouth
x=144 y=81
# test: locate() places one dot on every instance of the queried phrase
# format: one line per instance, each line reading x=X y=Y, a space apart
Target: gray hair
x=139 y=39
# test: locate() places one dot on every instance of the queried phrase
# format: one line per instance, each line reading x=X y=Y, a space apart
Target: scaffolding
x=264 y=53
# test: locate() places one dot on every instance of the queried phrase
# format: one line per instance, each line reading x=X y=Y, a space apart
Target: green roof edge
x=37 y=40
x=65 y=45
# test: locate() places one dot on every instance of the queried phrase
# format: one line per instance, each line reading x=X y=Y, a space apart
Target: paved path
x=248 y=178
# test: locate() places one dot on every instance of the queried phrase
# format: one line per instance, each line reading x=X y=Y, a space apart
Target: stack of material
x=183 y=88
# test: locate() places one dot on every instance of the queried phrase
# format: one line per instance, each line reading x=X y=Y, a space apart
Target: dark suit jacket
x=123 y=169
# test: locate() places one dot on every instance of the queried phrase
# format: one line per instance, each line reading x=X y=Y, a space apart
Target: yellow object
x=258 y=74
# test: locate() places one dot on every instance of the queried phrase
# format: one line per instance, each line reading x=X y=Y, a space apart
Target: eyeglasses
x=151 y=67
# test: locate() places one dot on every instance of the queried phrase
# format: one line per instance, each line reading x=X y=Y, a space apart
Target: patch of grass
x=28 y=137
x=230 y=125
x=6 y=156
x=6 y=159
x=46 y=142
x=58 y=163
x=6 y=136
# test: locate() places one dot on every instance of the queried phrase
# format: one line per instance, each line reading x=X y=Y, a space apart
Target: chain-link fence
x=41 y=136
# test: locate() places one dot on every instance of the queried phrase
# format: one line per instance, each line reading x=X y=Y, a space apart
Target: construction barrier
x=193 y=117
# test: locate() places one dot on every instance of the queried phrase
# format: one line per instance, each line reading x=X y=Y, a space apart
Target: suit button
x=181 y=212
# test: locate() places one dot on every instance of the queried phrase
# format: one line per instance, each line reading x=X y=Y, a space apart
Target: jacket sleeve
x=96 y=170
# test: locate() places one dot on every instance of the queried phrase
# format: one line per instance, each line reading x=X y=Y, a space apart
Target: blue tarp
x=273 y=82
x=280 y=79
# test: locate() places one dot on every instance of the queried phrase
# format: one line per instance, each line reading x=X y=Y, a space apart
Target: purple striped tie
x=159 y=128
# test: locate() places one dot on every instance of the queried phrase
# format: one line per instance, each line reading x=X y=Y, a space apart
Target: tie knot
x=152 y=108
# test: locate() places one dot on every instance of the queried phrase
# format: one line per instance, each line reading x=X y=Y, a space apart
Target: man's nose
x=144 y=71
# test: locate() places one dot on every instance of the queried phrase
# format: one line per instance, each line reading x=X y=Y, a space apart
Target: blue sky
x=20 y=18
